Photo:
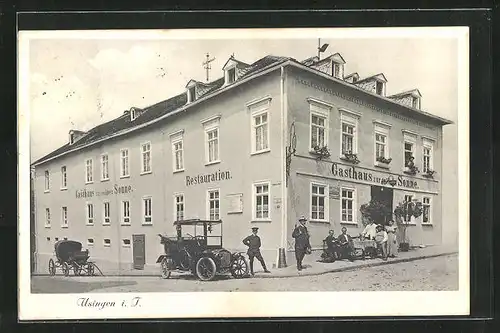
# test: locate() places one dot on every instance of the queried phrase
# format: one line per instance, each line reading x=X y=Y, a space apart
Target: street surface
x=432 y=274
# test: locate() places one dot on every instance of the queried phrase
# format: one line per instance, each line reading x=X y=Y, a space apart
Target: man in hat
x=302 y=244
x=346 y=244
x=253 y=243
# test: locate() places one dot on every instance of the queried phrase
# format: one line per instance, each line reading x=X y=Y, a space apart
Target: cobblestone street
x=433 y=274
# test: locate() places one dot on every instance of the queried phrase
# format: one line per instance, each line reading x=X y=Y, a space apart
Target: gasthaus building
x=261 y=146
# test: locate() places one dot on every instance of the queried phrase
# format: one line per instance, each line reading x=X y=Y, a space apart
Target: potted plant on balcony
x=429 y=173
x=411 y=168
x=348 y=156
x=409 y=209
x=321 y=151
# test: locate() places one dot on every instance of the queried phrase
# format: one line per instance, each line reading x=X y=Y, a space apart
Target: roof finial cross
x=207 y=66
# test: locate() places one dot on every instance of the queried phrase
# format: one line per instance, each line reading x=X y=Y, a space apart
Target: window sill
x=126 y=224
x=178 y=171
x=46 y=191
x=147 y=223
x=261 y=220
x=106 y=224
x=382 y=165
x=146 y=173
x=213 y=162
x=319 y=221
x=87 y=183
x=126 y=246
x=90 y=245
x=63 y=188
x=89 y=224
x=349 y=223
x=409 y=223
x=47 y=226
x=260 y=152
x=105 y=180
x=64 y=226
x=105 y=245
x=427 y=224
x=127 y=176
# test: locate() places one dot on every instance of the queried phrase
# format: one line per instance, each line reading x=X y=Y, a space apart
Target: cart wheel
x=52 y=267
x=65 y=269
x=77 y=270
x=90 y=269
x=206 y=269
x=239 y=267
x=165 y=270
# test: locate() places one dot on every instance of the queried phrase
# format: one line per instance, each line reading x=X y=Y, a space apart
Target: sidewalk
x=313 y=267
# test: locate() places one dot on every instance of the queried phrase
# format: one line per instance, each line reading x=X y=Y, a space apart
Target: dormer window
x=192 y=94
x=71 y=138
x=379 y=88
x=415 y=102
x=231 y=75
x=354 y=79
x=133 y=114
x=337 y=70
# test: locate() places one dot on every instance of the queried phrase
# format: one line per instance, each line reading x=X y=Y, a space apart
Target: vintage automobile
x=69 y=255
x=200 y=253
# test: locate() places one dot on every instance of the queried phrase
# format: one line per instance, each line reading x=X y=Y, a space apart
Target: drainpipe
x=284 y=124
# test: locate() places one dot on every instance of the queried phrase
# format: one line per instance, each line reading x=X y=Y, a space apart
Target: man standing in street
x=302 y=244
x=253 y=243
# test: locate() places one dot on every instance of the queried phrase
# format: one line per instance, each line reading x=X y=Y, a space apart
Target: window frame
x=354 y=205
x=254 y=202
x=64 y=216
x=104 y=217
x=409 y=137
x=122 y=212
x=48 y=221
x=208 y=202
x=103 y=168
x=412 y=220
x=191 y=91
x=64 y=177
x=253 y=129
x=89 y=220
x=384 y=129
x=233 y=70
x=429 y=144
x=350 y=118
x=382 y=86
x=177 y=195
x=429 y=204
x=150 y=151
x=145 y=199
x=322 y=110
x=90 y=244
x=174 y=154
x=106 y=244
x=46 y=181
x=326 y=208
x=211 y=124
x=126 y=245
x=87 y=181
x=127 y=158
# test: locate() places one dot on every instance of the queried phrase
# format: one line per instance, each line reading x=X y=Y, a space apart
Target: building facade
x=264 y=144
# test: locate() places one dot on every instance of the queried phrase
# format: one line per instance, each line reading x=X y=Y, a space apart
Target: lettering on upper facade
x=351 y=172
x=208 y=178
x=115 y=190
x=363 y=103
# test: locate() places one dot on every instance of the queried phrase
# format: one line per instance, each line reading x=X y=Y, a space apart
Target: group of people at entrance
x=384 y=236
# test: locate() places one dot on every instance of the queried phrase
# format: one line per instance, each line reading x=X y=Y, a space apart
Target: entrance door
x=139 y=250
x=383 y=195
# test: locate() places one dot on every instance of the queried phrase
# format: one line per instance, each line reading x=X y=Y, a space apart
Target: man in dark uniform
x=253 y=243
x=330 y=242
x=302 y=244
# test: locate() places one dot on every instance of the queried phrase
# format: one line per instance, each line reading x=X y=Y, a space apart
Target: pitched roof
x=152 y=112
x=406 y=93
x=373 y=77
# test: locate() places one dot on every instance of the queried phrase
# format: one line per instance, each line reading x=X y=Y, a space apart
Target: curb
x=344 y=269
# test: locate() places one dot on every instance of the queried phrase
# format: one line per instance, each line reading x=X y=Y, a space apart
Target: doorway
x=139 y=251
x=383 y=195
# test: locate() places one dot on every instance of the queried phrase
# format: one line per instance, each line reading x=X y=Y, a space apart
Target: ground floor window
x=179 y=207
x=407 y=215
x=426 y=211
x=318 y=202
x=64 y=217
x=126 y=212
x=90 y=214
x=261 y=201
x=213 y=205
x=348 y=204
x=107 y=242
x=47 y=217
x=148 y=219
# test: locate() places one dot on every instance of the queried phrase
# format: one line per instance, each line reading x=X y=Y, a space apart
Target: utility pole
x=207 y=66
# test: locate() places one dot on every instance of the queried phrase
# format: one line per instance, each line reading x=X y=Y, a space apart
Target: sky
x=80 y=83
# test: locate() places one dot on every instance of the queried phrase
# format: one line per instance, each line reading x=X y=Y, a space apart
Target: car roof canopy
x=197 y=222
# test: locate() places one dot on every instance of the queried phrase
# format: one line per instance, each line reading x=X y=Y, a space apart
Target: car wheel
x=52 y=267
x=239 y=267
x=77 y=270
x=165 y=270
x=206 y=269
x=65 y=269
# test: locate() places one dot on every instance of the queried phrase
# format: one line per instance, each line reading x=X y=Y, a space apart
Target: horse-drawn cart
x=69 y=256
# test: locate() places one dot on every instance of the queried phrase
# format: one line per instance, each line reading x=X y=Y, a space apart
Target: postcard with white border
x=236 y=173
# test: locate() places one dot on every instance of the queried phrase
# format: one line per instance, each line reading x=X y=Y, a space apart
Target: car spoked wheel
x=205 y=269
x=65 y=269
x=239 y=267
x=165 y=270
x=52 y=267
